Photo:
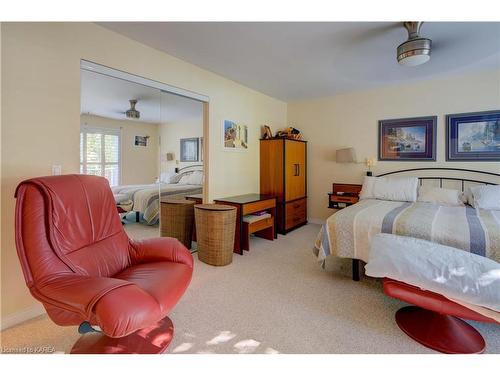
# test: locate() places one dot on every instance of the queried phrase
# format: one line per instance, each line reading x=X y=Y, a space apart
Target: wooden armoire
x=283 y=174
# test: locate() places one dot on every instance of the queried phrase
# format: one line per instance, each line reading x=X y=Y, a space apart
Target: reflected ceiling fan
x=132 y=112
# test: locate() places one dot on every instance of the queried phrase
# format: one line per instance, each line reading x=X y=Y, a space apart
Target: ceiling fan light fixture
x=132 y=112
x=416 y=50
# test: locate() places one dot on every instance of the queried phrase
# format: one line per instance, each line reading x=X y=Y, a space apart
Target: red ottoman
x=434 y=320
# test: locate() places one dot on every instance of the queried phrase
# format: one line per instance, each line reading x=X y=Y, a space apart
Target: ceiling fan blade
x=366 y=34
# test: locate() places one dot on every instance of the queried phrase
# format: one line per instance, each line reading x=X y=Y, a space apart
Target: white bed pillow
x=196 y=178
x=367 y=188
x=174 y=179
x=486 y=197
x=402 y=189
x=165 y=177
x=443 y=197
x=185 y=179
x=454 y=273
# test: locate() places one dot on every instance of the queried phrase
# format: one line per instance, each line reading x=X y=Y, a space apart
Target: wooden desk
x=248 y=204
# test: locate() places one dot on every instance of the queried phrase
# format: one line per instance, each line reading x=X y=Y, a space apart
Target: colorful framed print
x=407 y=139
x=234 y=136
x=473 y=136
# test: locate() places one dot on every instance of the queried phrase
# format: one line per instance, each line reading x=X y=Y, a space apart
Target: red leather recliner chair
x=79 y=262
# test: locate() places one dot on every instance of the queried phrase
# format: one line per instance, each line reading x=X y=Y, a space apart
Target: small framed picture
x=407 y=139
x=473 y=136
x=189 y=149
x=141 y=141
x=234 y=136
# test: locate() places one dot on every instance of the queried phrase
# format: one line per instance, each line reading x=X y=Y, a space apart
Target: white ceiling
x=301 y=60
x=107 y=96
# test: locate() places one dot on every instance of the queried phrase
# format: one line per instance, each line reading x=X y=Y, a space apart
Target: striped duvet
x=348 y=232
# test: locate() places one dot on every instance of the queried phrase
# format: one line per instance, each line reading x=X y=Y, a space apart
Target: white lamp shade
x=346 y=155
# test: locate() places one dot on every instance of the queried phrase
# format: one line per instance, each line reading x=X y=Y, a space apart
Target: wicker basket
x=215 y=227
x=177 y=217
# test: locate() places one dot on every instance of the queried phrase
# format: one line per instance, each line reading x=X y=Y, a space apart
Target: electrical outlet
x=56 y=170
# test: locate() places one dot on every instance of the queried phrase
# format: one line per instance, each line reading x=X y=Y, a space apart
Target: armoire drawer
x=295 y=213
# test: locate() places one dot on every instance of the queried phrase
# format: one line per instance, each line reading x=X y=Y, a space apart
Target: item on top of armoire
x=283 y=175
x=290 y=133
x=177 y=218
x=343 y=195
x=215 y=230
x=266 y=132
x=249 y=204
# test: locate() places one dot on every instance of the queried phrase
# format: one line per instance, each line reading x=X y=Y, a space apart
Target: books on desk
x=256 y=217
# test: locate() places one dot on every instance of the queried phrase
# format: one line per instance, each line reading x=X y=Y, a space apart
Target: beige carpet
x=274 y=299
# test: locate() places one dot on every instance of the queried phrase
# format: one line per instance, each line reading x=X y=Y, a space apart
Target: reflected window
x=100 y=153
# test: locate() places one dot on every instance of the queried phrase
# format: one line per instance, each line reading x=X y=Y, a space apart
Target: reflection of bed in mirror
x=144 y=199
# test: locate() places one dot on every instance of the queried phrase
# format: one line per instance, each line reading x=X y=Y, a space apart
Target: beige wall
x=41 y=117
x=351 y=120
x=139 y=164
x=171 y=134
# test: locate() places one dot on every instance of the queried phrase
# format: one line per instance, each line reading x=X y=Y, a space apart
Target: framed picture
x=473 y=136
x=407 y=139
x=141 y=141
x=189 y=149
x=234 y=136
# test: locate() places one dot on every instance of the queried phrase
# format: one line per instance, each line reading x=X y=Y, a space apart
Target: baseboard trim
x=316 y=221
x=21 y=316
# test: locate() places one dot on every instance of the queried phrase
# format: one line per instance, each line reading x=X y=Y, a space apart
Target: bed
x=143 y=199
x=348 y=232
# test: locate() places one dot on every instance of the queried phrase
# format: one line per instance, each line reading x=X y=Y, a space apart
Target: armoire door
x=295 y=170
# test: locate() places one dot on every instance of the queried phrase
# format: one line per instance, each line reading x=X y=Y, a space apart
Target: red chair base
x=444 y=333
x=151 y=340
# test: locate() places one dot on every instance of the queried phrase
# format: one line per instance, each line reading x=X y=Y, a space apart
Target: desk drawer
x=260 y=225
x=295 y=213
x=249 y=208
x=345 y=199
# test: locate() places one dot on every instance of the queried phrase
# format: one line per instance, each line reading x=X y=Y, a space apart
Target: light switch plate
x=56 y=170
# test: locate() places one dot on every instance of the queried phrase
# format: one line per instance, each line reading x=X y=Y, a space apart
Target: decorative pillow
x=196 y=178
x=166 y=176
x=174 y=179
x=185 y=179
x=367 y=189
x=403 y=189
x=443 y=197
x=486 y=197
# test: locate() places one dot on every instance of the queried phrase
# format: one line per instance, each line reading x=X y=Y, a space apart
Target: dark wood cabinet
x=283 y=174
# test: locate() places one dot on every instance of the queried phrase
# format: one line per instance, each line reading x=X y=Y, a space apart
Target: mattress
x=146 y=197
x=348 y=232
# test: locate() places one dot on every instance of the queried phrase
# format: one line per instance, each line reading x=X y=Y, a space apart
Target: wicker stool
x=215 y=226
x=177 y=220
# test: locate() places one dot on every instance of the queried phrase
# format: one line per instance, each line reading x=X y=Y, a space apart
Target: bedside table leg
x=355 y=269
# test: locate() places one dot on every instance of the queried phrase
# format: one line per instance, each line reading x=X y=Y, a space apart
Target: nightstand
x=343 y=195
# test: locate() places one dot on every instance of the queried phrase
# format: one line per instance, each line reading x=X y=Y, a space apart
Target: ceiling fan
x=416 y=50
x=132 y=112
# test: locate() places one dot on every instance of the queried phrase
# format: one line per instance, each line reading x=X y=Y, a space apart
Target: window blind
x=100 y=151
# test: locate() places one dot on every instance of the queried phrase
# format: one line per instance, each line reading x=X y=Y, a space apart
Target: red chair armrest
x=160 y=249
